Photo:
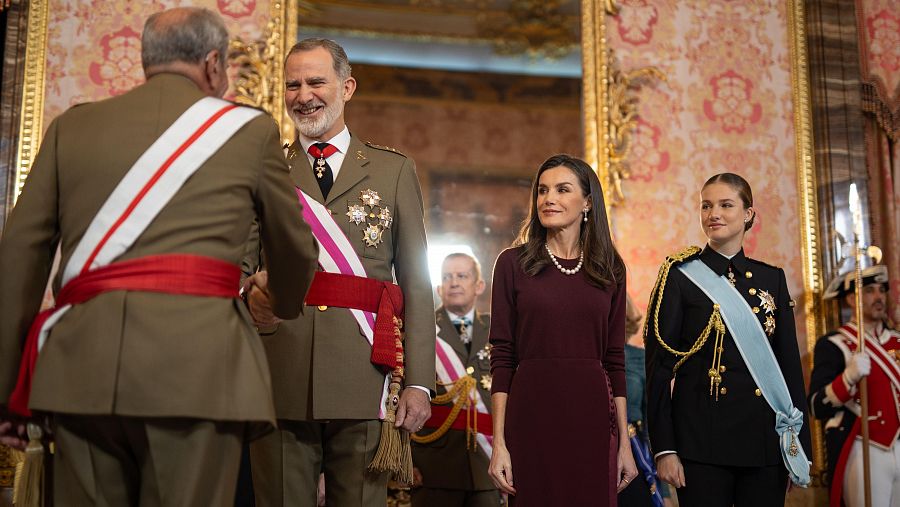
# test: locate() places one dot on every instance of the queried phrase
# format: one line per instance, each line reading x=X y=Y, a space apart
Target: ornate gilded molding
x=808 y=202
x=610 y=101
x=623 y=110
x=32 y=108
x=260 y=81
x=595 y=80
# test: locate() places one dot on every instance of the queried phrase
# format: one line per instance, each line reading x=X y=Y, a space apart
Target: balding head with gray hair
x=184 y=34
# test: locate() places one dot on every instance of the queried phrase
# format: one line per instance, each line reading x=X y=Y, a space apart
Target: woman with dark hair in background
x=558 y=335
x=733 y=427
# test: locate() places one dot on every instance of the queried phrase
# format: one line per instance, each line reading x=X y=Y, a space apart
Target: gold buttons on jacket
x=723 y=390
x=722 y=368
x=322 y=308
x=748 y=274
x=757 y=392
x=470 y=370
x=752 y=291
x=755 y=309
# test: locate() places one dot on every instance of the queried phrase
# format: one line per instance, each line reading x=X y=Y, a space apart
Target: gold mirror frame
x=596 y=67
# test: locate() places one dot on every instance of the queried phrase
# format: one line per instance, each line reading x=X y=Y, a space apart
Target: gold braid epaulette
x=715 y=319
x=460 y=390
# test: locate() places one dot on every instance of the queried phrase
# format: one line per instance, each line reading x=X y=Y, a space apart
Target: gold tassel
x=29 y=479
x=394 y=453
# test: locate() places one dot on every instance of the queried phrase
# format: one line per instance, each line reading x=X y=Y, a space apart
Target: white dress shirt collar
x=341 y=141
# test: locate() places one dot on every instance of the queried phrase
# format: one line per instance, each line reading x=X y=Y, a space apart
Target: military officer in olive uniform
x=327 y=390
x=452 y=469
x=152 y=393
x=713 y=433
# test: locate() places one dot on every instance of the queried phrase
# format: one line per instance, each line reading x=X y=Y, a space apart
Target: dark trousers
x=724 y=486
x=146 y=462
x=637 y=494
x=436 y=497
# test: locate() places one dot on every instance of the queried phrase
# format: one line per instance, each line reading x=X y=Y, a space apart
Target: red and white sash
x=876 y=352
x=449 y=369
x=336 y=255
x=135 y=202
x=150 y=184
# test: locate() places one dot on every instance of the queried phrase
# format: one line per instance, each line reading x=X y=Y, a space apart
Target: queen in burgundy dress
x=557 y=358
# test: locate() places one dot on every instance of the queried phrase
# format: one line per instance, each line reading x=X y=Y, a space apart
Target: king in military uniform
x=354 y=374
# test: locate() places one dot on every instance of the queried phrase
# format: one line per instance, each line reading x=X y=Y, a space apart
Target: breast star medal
x=486 y=381
x=767 y=302
x=373 y=215
x=485 y=353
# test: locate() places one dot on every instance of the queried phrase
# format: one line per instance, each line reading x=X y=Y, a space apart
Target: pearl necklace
x=559 y=267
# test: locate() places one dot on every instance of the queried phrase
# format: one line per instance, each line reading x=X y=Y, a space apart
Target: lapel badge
x=769 y=325
x=766 y=301
x=485 y=353
x=486 y=381
x=373 y=215
x=359 y=155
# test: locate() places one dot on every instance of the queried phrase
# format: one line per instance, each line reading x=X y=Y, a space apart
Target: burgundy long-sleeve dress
x=558 y=350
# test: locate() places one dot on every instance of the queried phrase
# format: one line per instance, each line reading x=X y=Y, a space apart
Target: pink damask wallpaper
x=880 y=46
x=726 y=107
x=94 y=46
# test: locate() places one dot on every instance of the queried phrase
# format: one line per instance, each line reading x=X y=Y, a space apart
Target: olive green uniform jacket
x=150 y=354
x=447 y=463
x=320 y=362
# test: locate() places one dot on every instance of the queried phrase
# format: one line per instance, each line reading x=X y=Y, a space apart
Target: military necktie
x=464 y=327
x=324 y=175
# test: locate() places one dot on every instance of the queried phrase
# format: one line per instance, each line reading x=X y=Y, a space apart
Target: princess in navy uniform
x=732 y=427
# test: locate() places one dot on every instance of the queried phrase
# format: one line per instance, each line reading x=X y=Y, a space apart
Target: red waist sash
x=183 y=274
x=384 y=299
x=440 y=413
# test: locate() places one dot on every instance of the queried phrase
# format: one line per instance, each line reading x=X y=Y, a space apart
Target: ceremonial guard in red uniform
x=838 y=368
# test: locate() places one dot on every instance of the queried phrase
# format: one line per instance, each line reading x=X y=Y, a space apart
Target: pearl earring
x=585 y=211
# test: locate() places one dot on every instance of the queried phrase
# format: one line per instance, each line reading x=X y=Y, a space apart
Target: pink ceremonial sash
x=336 y=255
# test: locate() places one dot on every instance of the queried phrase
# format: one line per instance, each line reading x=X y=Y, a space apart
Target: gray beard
x=316 y=128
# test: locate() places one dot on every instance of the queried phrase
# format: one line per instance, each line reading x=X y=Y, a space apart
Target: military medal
x=767 y=301
x=769 y=325
x=486 y=381
x=320 y=167
x=485 y=353
x=356 y=213
x=370 y=198
x=376 y=218
x=372 y=235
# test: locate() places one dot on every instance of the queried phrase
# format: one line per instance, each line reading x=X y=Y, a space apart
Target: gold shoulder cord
x=459 y=390
x=715 y=322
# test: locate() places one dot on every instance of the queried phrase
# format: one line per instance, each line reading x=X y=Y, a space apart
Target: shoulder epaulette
x=370 y=144
x=684 y=254
x=761 y=263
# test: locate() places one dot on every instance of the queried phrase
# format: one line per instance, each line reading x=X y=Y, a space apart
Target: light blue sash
x=748 y=335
